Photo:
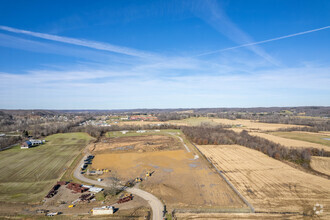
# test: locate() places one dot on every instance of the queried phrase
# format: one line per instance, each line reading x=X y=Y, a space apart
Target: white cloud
x=264 y=41
x=86 y=88
x=85 y=43
x=211 y=12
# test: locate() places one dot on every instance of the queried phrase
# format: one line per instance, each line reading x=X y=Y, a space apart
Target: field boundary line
x=188 y=150
x=227 y=181
x=6 y=148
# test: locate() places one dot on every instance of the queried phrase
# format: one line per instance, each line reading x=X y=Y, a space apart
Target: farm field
x=270 y=185
x=321 y=164
x=28 y=174
x=238 y=124
x=289 y=142
x=180 y=179
x=119 y=123
x=250 y=216
x=254 y=125
x=317 y=138
x=193 y=121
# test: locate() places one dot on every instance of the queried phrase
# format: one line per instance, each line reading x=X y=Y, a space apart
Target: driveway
x=155 y=204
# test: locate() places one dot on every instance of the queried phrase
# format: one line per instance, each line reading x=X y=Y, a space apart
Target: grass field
x=305 y=136
x=28 y=174
x=321 y=164
x=270 y=185
x=290 y=142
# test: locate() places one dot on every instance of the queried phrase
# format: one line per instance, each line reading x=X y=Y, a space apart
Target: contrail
x=264 y=41
x=79 y=42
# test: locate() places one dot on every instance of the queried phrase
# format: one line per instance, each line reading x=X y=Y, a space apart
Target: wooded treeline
x=8 y=141
x=314 y=124
x=216 y=135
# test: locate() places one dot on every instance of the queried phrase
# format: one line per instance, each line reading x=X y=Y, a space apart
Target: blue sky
x=164 y=54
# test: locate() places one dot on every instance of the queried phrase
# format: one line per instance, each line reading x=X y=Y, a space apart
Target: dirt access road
x=155 y=204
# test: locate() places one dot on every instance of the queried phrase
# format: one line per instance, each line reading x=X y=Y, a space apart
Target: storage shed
x=104 y=210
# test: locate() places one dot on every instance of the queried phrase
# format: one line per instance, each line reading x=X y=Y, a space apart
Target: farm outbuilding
x=26 y=145
x=36 y=142
x=104 y=210
x=31 y=143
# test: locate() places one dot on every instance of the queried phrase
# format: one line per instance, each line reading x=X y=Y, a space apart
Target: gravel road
x=155 y=204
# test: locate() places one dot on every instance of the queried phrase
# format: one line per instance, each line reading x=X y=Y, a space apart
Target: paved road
x=155 y=204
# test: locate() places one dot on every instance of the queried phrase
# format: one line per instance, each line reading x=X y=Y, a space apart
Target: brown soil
x=178 y=179
x=145 y=143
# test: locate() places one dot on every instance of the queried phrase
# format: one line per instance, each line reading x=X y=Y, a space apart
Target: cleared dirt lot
x=144 y=143
x=290 y=142
x=270 y=185
x=321 y=164
x=179 y=179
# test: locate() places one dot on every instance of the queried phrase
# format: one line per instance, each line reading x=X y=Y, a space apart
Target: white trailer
x=104 y=210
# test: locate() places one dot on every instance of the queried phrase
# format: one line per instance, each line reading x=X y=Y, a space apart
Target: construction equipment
x=76 y=188
x=70 y=206
x=86 y=197
x=52 y=214
x=129 y=183
x=125 y=199
x=148 y=174
x=138 y=179
x=127 y=194
x=53 y=191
